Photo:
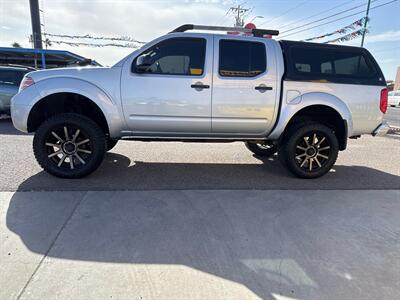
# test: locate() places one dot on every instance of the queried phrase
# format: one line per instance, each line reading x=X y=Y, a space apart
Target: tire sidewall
x=290 y=149
x=91 y=129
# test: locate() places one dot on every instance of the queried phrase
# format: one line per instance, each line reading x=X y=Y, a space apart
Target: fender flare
x=288 y=110
x=106 y=104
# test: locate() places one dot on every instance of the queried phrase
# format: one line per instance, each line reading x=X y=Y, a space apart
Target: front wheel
x=309 y=150
x=69 y=145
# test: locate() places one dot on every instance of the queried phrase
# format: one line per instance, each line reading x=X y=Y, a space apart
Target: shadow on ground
x=118 y=172
x=305 y=244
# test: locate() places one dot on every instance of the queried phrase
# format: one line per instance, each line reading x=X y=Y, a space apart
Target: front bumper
x=381 y=130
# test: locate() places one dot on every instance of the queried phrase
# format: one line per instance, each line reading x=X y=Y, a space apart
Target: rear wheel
x=262 y=149
x=69 y=145
x=309 y=150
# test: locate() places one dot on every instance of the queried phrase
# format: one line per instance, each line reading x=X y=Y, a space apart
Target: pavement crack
x=51 y=246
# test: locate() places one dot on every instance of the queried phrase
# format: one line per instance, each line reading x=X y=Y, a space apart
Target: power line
x=286 y=12
x=223 y=17
x=345 y=17
x=328 y=17
x=342 y=30
x=78 y=44
x=317 y=14
x=91 y=37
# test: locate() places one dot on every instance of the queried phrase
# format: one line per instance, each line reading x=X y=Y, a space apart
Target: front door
x=173 y=95
x=244 y=86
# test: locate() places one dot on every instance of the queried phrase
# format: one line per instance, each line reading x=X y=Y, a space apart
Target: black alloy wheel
x=69 y=145
x=310 y=150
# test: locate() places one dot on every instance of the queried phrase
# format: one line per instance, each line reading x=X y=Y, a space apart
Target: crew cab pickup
x=300 y=100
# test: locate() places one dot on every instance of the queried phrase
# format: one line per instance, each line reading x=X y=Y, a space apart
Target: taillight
x=27 y=81
x=384 y=100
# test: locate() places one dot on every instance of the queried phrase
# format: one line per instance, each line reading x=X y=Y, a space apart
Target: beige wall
x=397 y=81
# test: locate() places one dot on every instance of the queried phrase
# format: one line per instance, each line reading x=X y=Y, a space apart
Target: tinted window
x=241 y=59
x=177 y=56
x=327 y=63
x=11 y=77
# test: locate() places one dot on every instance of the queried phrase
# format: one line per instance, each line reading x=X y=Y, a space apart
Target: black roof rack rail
x=256 y=32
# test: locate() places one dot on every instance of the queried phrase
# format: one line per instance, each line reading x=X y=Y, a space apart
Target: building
x=397 y=80
x=42 y=58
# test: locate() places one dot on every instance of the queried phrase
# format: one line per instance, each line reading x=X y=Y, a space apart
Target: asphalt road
x=368 y=163
x=393 y=116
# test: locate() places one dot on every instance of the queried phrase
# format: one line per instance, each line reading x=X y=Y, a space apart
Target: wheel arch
x=65 y=102
x=57 y=94
x=320 y=107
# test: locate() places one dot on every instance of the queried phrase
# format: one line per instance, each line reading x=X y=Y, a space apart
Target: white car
x=394 y=98
x=302 y=100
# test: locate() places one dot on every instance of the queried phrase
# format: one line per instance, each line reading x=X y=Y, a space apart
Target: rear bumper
x=381 y=130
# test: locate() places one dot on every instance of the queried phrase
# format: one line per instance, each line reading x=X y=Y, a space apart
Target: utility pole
x=239 y=18
x=365 y=24
x=35 y=20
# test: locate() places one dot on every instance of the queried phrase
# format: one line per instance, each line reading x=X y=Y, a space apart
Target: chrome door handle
x=263 y=88
x=200 y=86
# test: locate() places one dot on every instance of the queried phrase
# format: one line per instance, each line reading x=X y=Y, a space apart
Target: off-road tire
x=293 y=149
x=88 y=130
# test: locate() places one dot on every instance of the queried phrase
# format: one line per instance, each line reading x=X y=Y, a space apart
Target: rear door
x=244 y=86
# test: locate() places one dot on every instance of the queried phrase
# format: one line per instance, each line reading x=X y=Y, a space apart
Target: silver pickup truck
x=302 y=100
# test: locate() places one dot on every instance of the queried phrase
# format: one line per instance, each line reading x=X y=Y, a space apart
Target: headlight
x=27 y=81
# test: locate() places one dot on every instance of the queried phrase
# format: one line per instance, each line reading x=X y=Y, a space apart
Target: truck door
x=244 y=86
x=173 y=95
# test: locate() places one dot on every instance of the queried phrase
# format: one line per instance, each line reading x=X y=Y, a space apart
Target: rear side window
x=177 y=56
x=241 y=59
x=337 y=64
x=11 y=77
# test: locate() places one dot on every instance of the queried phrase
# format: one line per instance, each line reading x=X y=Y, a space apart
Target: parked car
x=302 y=100
x=394 y=98
x=10 y=79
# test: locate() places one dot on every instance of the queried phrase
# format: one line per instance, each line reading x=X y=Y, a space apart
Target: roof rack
x=256 y=32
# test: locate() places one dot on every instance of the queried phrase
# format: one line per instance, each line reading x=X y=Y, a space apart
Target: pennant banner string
x=78 y=44
x=345 y=29
x=88 y=36
x=348 y=37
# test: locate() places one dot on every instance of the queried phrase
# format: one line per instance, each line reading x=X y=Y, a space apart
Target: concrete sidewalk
x=242 y=244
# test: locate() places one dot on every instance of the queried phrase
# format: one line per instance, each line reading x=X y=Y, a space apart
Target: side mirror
x=143 y=62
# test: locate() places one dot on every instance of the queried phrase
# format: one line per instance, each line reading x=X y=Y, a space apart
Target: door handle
x=263 y=88
x=200 y=86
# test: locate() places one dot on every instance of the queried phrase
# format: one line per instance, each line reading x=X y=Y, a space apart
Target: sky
x=145 y=20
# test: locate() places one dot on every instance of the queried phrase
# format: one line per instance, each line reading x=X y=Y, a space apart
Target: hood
x=75 y=72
